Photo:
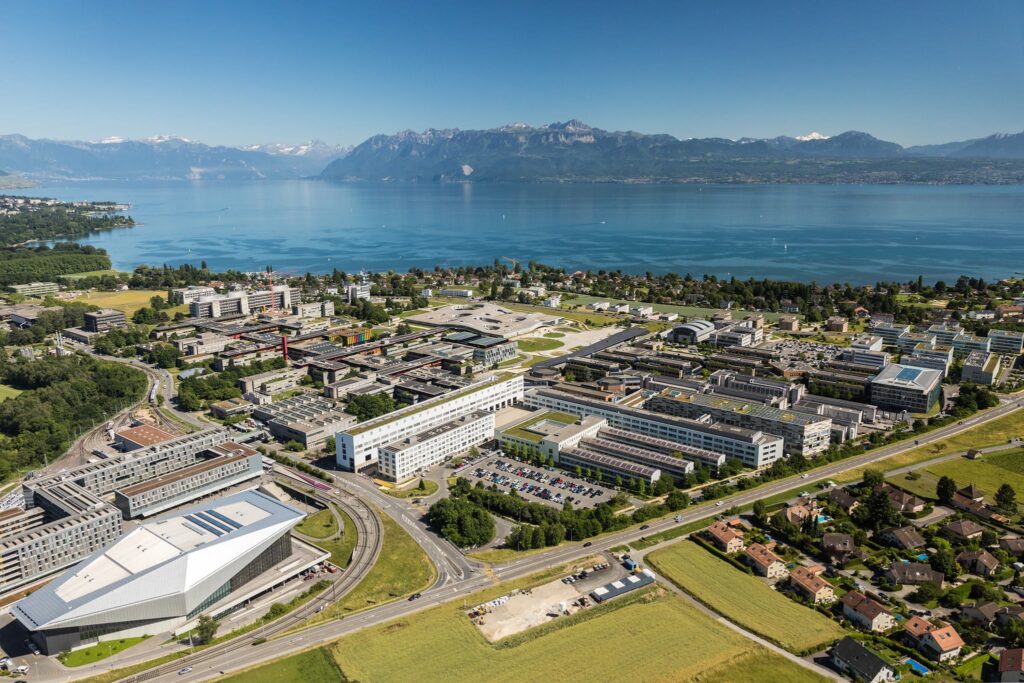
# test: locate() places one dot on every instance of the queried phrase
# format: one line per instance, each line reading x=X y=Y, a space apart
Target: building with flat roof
x=142 y=436
x=359 y=445
x=981 y=367
x=230 y=464
x=904 y=387
x=280 y=297
x=487 y=319
x=964 y=344
x=103 y=320
x=306 y=418
x=804 y=433
x=889 y=332
x=752 y=447
x=35 y=288
x=401 y=460
x=938 y=358
x=190 y=294
x=163 y=574
x=1006 y=341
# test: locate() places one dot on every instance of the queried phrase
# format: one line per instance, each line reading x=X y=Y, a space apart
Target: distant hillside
x=9 y=182
x=154 y=158
x=574 y=151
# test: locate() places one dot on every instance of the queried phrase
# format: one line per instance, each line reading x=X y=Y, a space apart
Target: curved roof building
x=693 y=332
x=162 y=574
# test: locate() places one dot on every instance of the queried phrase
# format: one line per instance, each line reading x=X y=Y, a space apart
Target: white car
x=720 y=503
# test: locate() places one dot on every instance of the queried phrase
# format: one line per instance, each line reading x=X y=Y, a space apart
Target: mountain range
x=162 y=157
x=567 y=151
x=575 y=151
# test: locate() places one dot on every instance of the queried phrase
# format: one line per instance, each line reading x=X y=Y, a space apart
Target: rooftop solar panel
x=215 y=522
x=203 y=525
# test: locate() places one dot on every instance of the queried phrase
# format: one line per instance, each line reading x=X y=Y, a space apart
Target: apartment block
x=401 y=460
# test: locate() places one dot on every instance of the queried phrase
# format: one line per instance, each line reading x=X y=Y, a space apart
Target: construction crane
x=514 y=262
x=270 y=287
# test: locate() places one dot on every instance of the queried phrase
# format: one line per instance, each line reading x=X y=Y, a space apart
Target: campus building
x=162 y=575
x=103 y=320
x=359 y=446
x=753 y=448
x=1006 y=341
x=191 y=294
x=401 y=460
x=280 y=297
x=804 y=433
x=306 y=418
x=903 y=387
x=35 y=288
x=981 y=367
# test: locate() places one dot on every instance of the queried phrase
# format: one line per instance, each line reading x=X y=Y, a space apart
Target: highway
x=453 y=587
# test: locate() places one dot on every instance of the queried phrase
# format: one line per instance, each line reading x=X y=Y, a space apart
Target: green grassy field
x=312 y=666
x=655 y=636
x=401 y=569
x=95 y=273
x=318 y=525
x=129 y=301
x=98 y=652
x=429 y=488
x=534 y=344
x=987 y=473
x=744 y=599
x=7 y=392
x=688 y=311
x=554 y=335
x=341 y=548
x=998 y=431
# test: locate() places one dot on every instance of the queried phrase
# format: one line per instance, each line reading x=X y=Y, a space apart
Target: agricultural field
x=650 y=631
x=129 y=301
x=307 y=667
x=988 y=473
x=744 y=599
x=992 y=433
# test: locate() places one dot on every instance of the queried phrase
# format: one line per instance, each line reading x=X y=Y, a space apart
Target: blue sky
x=235 y=73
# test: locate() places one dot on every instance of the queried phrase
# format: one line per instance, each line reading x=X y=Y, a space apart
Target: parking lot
x=538 y=484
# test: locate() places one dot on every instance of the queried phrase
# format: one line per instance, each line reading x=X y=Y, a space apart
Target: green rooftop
x=522 y=430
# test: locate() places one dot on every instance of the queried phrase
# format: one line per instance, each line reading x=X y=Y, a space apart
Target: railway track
x=368 y=546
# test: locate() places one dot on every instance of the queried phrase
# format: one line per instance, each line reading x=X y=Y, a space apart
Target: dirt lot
x=526 y=609
x=552 y=488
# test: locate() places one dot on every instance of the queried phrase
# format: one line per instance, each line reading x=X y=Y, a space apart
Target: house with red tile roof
x=809 y=585
x=724 y=537
x=765 y=562
x=867 y=613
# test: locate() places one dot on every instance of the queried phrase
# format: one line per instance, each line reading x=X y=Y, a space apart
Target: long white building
x=359 y=446
x=751 y=447
x=403 y=459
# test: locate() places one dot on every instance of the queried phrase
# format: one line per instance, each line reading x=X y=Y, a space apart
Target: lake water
x=845 y=233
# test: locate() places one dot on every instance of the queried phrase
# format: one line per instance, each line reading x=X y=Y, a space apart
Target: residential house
x=1012 y=545
x=973 y=492
x=842 y=498
x=867 y=613
x=905 y=537
x=981 y=613
x=838 y=547
x=913 y=574
x=850 y=656
x=1009 y=613
x=941 y=643
x=963 y=530
x=726 y=538
x=1011 y=664
x=799 y=513
x=904 y=502
x=980 y=562
x=765 y=562
x=809 y=585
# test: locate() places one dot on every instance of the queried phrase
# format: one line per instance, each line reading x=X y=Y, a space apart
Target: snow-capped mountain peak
x=812 y=136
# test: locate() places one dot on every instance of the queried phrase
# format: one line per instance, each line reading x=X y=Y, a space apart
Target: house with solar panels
x=163 y=574
x=904 y=387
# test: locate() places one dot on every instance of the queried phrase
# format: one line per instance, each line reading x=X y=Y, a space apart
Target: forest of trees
x=195 y=392
x=19 y=265
x=60 y=399
x=58 y=222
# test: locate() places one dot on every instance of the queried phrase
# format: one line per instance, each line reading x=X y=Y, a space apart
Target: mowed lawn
x=992 y=433
x=129 y=301
x=988 y=474
x=533 y=344
x=655 y=637
x=7 y=392
x=744 y=599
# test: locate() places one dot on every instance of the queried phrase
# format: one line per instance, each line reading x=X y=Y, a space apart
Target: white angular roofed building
x=161 y=575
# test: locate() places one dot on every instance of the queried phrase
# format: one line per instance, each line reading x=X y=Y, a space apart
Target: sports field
x=744 y=599
x=987 y=473
x=129 y=301
x=648 y=636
